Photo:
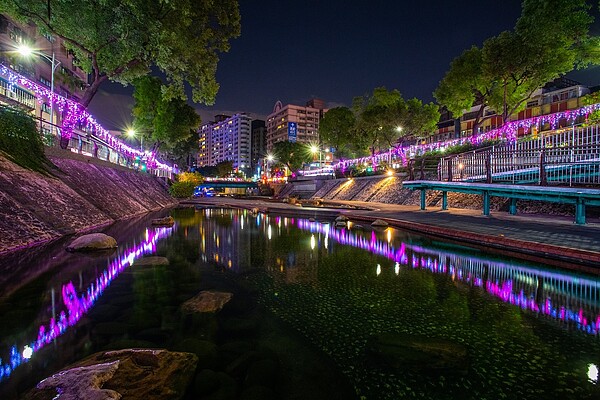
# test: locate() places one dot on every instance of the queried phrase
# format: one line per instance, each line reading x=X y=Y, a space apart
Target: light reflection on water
x=76 y=305
x=237 y=240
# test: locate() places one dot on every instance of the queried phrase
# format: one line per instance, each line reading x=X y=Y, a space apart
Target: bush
x=21 y=141
x=193 y=177
x=182 y=190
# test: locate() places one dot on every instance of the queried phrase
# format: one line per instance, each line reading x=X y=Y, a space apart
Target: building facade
x=69 y=80
x=295 y=123
x=259 y=143
x=228 y=138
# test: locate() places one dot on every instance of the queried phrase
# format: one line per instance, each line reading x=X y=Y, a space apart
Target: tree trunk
x=91 y=91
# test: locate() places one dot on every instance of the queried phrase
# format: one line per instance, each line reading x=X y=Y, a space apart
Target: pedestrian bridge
x=566 y=195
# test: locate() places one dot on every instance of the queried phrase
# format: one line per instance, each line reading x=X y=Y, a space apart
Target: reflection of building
x=295 y=123
x=259 y=142
x=226 y=139
x=69 y=80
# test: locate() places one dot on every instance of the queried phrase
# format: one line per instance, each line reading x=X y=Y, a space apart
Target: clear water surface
x=530 y=331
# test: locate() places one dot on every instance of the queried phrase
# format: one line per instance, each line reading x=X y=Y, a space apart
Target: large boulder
x=92 y=242
x=130 y=374
x=206 y=302
x=417 y=353
x=166 y=221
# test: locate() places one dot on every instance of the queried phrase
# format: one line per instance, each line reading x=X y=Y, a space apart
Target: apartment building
x=69 y=80
x=259 y=143
x=227 y=138
x=295 y=123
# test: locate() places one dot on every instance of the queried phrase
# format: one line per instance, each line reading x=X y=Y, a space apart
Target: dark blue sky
x=294 y=50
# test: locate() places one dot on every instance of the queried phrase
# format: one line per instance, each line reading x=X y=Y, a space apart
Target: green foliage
x=336 y=129
x=224 y=168
x=293 y=155
x=510 y=67
x=21 y=141
x=182 y=190
x=385 y=117
x=169 y=124
x=193 y=177
x=121 y=40
x=594 y=117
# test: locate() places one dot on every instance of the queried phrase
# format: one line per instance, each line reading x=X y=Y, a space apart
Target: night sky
x=335 y=50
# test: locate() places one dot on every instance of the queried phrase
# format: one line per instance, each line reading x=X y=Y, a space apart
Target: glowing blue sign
x=292 y=131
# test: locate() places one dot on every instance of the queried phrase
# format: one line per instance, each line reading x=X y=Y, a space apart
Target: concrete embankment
x=81 y=194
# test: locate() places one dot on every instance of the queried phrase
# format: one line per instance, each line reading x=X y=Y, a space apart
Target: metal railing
x=568 y=157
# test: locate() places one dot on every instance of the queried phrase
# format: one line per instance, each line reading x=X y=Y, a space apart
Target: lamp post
x=314 y=149
x=270 y=159
x=131 y=133
x=27 y=51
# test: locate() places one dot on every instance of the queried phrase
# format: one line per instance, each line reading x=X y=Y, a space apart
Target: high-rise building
x=226 y=139
x=295 y=123
x=259 y=143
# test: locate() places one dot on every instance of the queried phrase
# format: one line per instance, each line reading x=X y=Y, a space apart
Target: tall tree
x=510 y=67
x=385 y=118
x=120 y=40
x=291 y=154
x=336 y=130
x=171 y=125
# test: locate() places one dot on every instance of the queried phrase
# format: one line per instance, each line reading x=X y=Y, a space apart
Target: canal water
x=342 y=313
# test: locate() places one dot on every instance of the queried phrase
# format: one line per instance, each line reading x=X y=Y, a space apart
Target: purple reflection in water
x=501 y=282
x=76 y=306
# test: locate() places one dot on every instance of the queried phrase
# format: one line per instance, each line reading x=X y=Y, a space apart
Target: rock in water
x=206 y=301
x=379 y=222
x=341 y=218
x=417 y=353
x=153 y=261
x=340 y=224
x=92 y=241
x=166 y=221
x=130 y=374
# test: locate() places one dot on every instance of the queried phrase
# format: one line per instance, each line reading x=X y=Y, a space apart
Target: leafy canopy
x=121 y=40
x=291 y=154
x=170 y=124
x=510 y=67
x=385 y=117
x=336 y=130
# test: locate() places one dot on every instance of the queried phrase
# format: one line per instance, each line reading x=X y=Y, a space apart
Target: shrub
x=193 y=177
x=21 y=141
x=182 y=190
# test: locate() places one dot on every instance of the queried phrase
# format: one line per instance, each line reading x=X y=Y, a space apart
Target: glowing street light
x=131 y=133
x=27 y=51
x=314 y=149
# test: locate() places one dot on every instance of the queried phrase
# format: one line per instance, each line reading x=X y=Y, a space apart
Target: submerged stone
x=130 y=374
x=206 y=301
x=92 y=242
x=166 y=221
x=152 y=261
x=417 y=353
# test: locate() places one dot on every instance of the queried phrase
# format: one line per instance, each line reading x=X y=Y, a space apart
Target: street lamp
x=270 y=159
x=131 y=133
x=27 y=51
x=314 y=149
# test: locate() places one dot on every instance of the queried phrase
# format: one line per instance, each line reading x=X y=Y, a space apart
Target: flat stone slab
x=138 y=374
x=166 y=221
x=206 y=301
x=152 y=261
x=379 y=222
x=92 y=242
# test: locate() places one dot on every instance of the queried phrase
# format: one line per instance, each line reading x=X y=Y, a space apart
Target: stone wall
x=383 y=189
x=77 y=196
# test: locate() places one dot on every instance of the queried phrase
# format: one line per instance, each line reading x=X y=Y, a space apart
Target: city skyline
x=336 y=51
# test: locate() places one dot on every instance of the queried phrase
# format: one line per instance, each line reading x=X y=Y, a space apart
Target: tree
x=385 y=117
x=120 y=40
x=224 y=168
x=170 y=124
x=336 y=130
x=510 y=67
x=291 y=154
x=465 y=86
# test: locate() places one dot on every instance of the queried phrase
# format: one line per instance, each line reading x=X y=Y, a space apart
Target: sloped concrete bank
x=79 y=196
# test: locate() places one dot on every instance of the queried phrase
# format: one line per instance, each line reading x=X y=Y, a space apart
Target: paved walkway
x=536 y=237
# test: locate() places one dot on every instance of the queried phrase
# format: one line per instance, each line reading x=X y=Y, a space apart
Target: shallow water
x=310 y=292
